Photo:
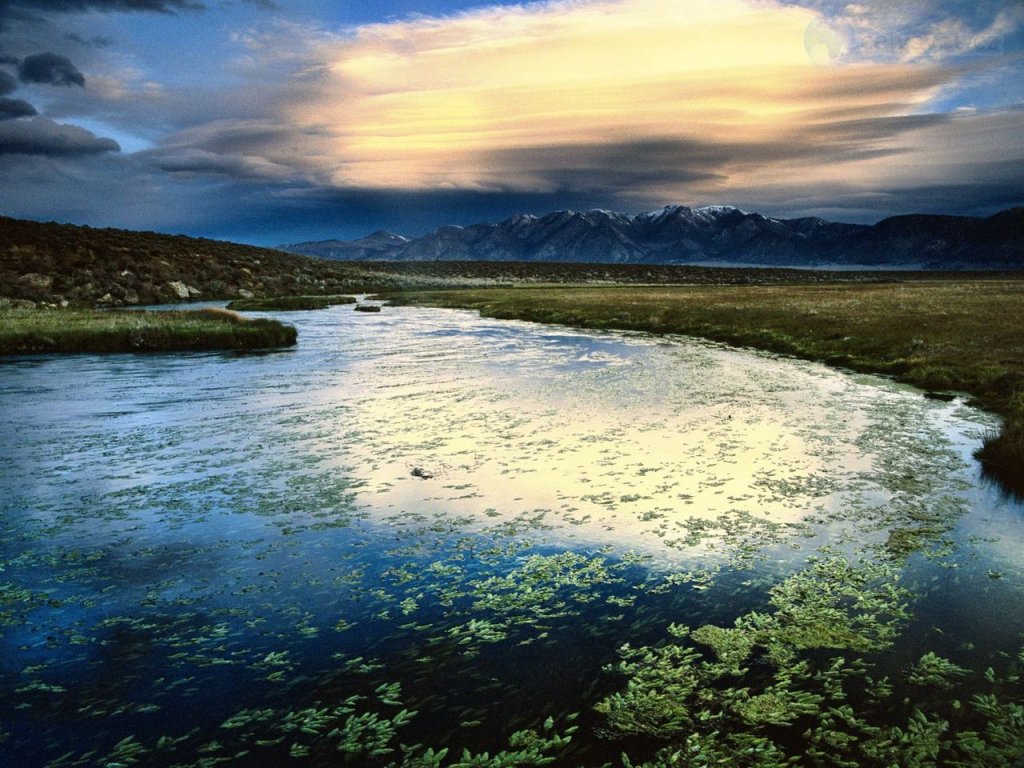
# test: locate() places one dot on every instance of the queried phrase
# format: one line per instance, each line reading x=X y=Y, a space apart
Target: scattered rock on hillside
x=36 y=282
x=183 y=291
x=179 y=289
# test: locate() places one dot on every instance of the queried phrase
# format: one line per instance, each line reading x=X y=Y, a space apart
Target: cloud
x=78 y=6
x=7 y=83
x=39 y=136
x=919 y=30
x=39 y=11
x=14 y=108
x=97 y=41
x=50 y=68
x=644 y=96
x=951 y=36
x=200 y=162
x=625 y=104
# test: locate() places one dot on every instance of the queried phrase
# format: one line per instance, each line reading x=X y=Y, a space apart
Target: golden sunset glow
x=411 y=115
x=500 y=98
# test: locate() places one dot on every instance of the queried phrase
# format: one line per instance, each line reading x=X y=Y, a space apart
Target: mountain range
x=712 y=235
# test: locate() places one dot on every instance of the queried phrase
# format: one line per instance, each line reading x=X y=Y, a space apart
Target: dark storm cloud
x=39 y=136
x=979 y=196
x=238 y=136
x=618 y=168
x=50 y=68
x=77 y=6
x=93 y=42
x=268 y=216
x=12 y=108
x=200 y=162
x=36 y=11
x=7 y=83
x=613 y=167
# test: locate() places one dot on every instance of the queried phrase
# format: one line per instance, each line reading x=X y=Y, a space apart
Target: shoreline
x=940 y=337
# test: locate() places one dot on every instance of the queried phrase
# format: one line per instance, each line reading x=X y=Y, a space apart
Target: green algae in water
x=770 y=572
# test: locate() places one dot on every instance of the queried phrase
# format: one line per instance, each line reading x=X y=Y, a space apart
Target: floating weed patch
x=935 y=671
x=760 y=535
x=792 y=706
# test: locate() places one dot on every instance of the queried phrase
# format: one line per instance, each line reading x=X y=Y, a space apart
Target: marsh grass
x=32 y=331
x=965 y=335
x=1003 y=452
x=289 y=303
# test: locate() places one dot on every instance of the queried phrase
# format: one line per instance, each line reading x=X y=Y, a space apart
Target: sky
x=277 y=121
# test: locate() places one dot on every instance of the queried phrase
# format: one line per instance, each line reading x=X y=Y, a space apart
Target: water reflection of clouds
x=616 y=439
x=205 y=514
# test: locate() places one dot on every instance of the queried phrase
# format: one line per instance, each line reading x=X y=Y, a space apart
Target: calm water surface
x=426 y=528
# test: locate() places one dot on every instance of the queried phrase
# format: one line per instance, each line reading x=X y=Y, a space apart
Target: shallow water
x=206 y=555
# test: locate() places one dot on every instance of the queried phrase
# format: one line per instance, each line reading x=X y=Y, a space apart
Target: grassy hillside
x=52 y=263
x=963 y=335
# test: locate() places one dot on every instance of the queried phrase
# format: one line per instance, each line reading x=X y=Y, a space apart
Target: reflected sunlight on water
x=479 y=511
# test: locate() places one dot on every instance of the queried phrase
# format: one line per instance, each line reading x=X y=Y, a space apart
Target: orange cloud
x=531 y=98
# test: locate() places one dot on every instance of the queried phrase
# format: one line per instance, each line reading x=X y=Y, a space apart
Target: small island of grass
x=289 y=303
x=34 y=331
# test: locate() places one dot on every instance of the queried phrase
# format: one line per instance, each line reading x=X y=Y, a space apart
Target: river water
x=420 y=527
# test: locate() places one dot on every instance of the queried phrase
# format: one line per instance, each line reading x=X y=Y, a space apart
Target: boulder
x=36 y=282
x=179 y=289
x=242 y=293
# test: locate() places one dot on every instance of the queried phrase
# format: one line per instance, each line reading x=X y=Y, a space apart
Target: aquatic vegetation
x=775 y=544
x=933 y=670
x=672 y=689
x=716 y=713
x=1001 y=742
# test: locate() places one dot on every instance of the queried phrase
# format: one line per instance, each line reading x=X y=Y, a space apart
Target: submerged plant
x=935 y=671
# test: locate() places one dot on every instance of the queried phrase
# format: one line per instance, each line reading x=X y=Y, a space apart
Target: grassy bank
x=965 y=336
x=31 y=331
x=289 y=303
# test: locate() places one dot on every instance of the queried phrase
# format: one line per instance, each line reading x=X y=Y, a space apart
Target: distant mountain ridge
x=677 y=234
